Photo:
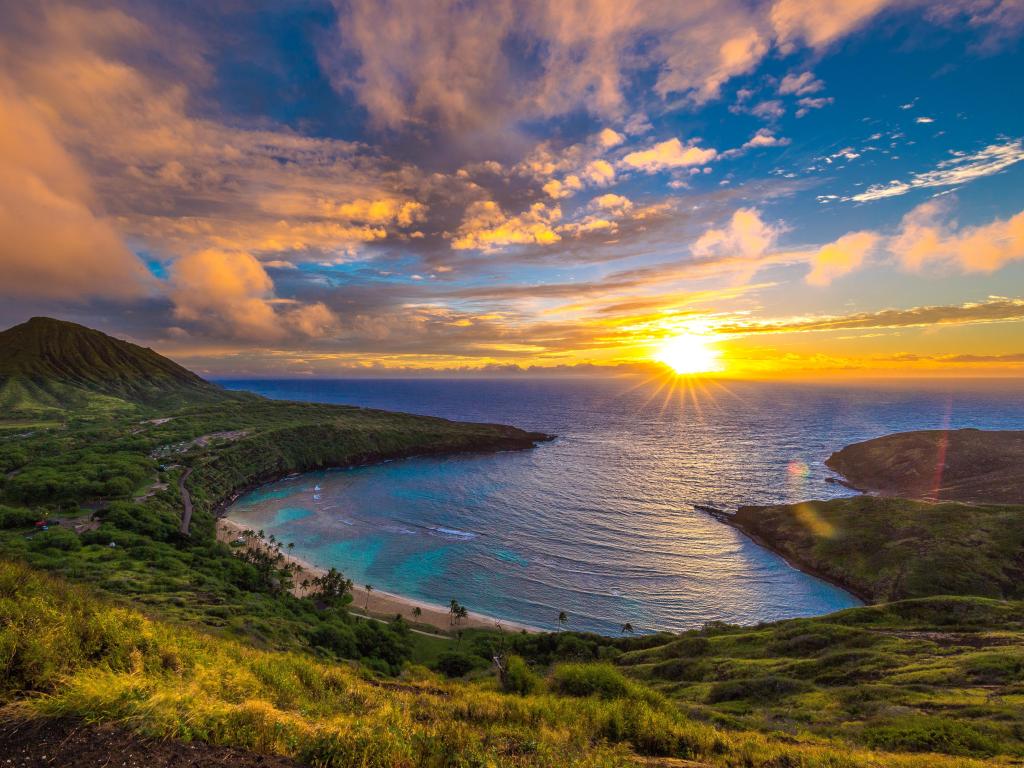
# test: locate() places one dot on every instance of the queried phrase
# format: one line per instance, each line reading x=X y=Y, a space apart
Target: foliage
x=65 y=653
x=517 y=677
x=891 y=549
x=455 y=664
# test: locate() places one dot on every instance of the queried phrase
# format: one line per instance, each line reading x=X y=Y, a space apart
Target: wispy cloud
x=960 y=169
x=993 y=310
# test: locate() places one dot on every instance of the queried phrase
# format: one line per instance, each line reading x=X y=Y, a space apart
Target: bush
x=14 y=517
x=933 y=734
x=339 y=640
x=454 y=664
x=767 y=688
x=57 y=538
x=518 y=677
x=602 y=680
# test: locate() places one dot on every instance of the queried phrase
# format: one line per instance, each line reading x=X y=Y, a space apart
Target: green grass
x=65 y=653
x=891 y=549
x=942 y=673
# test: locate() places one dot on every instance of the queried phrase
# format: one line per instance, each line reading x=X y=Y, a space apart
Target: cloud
x=765 y=138
x=819 y=23
x=996 y=309
x=612 y=203
x=745 y=235
x=841 y=257
x=927 y=238
x=54 y=240
x=800 y=84
x=599 y=172
x=486 y=227
x=233 y=292
x=959 y=169
x=668 y=154
x=609 y=138
x=807 y=104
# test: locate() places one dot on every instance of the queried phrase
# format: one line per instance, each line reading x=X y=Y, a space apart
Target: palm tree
x=627 y=628
x=417 y=611
x=461 y=613
x=563 y=619
x=369 y=589
x=453 y=609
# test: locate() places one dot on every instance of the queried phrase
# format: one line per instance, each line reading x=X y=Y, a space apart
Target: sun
x=689 y=353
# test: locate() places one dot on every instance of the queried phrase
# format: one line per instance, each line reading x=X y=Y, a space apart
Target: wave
x=453 y=533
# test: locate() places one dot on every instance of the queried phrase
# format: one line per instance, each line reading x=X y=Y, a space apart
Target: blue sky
x=812 y=188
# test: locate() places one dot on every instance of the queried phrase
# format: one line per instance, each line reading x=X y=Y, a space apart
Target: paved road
x=186 y=500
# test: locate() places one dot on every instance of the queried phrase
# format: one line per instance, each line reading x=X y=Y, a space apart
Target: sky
x=795 y=188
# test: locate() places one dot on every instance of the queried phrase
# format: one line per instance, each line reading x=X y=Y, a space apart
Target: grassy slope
x=63 y=652
x=889 y=549
x=50 y=367
x=954 y=465
x=936 y=674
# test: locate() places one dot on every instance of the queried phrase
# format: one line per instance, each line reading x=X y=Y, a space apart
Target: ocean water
x=599 y=523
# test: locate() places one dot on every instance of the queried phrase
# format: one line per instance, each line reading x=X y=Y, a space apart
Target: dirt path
x=186 y=501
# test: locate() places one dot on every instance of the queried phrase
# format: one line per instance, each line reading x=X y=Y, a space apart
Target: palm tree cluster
x=264 y=552
x=330 y=587
x=456 y=612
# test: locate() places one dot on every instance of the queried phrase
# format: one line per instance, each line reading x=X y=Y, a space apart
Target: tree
x=453 y=610
x=563 y=619
x=369 y=589
x=627 y=628
x=331 y=586
x=417 y=611
x=461 y=613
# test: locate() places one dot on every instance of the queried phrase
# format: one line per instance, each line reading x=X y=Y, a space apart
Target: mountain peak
x=48 y=364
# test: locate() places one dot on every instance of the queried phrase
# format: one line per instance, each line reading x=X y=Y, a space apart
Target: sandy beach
x=384 y=605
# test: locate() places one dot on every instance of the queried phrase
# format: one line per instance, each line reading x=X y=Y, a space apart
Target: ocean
x=600 y=523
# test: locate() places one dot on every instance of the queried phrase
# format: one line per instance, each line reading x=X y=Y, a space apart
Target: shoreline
x=729 y=519
x=384 y=605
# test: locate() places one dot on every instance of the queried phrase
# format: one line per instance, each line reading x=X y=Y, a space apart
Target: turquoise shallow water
x=601 y=522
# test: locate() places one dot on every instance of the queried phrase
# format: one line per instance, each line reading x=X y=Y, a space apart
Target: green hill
x=970 y=465
x=51 y=367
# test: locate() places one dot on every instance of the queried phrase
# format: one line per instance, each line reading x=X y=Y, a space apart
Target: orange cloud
x=232 y=290
x=486 y=227
x=926 y=238
x=54 y=242
x=746 y=235
x=841 y=257
x=668 y=154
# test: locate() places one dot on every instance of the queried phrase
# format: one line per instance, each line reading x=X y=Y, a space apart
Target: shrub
x=518 y=677
x=339 y=640
x=767 y=688
x=601 y=680
x=454 y=664
x=57 y=538
x=14 y=517
x=932 y=734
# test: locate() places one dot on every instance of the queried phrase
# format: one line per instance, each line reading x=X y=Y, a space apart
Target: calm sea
x=601 y=522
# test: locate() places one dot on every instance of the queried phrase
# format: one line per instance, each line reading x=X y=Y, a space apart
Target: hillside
x=50 y=367
x=969 y=465
x=916 y=685
x=891 y=549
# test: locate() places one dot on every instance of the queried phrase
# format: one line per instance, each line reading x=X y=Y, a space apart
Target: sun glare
x=689 y=353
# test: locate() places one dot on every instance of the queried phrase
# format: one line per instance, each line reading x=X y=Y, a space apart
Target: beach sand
x=384 y=605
